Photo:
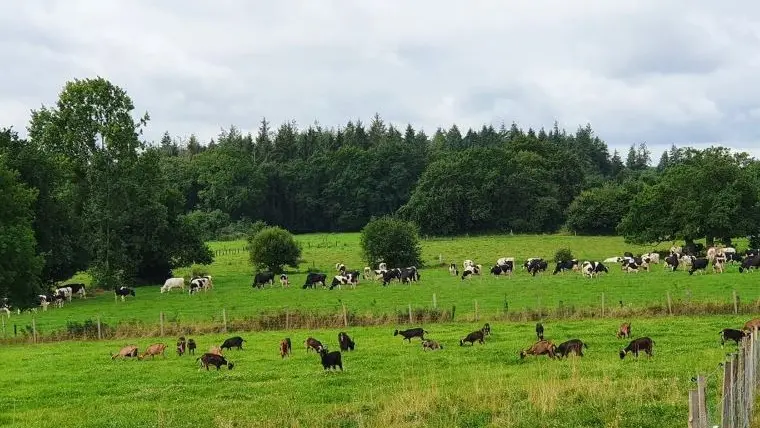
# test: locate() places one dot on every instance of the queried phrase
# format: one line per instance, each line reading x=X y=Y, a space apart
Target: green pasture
x=386 y=382
x=493 y=296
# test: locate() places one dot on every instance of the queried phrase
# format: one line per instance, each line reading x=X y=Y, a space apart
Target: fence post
x=34 y=330
x=477 y=315
x=435 y=302
x=602 y=304
x=702 y=404
x=739 y=394
x=3 y=318
x=224 y=318
x=410 y=314
x=693 y=410
x=670 y=304
x=345 y=316
x=287 y=318
x=100 y=335
x=736 y=303
x=453 y=311
x=727 y=388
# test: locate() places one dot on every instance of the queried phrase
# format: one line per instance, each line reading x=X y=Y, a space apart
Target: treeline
x=84 y=191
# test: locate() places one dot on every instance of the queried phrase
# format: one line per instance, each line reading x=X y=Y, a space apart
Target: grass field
x=495 y=296
x=385 y=383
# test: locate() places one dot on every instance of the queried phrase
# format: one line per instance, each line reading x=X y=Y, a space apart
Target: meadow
x=520 y=297
x=386 y=381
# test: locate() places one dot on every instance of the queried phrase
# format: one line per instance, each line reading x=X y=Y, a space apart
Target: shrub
x=393 y=241
x=272 y=248
x=563 y=255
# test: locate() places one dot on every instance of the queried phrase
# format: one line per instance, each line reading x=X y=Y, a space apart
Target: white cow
x=613 y=259
x=173 y=283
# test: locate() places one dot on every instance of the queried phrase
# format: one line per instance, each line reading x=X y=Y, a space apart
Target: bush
x=272 y=248
x=563 y=255
x=199 y=270
x=393 y=241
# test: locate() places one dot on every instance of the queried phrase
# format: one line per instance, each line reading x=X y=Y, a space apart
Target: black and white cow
x=353 y=278
x=263 y=278
x=390 y=275
x=77 y=288
x=672 y=262
x=506 y=268
x=699 y=264
x=592 y=269
x=734 y=258
x=529 y=261
x=537 y=265
x=338 y=280
x=67 y=292
x=633 y=264
x=565 y=265
x=750 y=262
x=199 y=283
x=5 y=306
x=340 y=267
x=409 y=275
x=313 y=279
x=469 y=271
x=124 y=292
x=284 y=281
x=453 y=269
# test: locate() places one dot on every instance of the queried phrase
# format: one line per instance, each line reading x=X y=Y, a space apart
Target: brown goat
x=752 y=324
x=312 y=343
x=127 y=351
x=285 y=347
x=153 y=350
x=624 y=331
x=542 y=347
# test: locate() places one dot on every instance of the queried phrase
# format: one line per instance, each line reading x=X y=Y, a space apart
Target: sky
x=684 y=72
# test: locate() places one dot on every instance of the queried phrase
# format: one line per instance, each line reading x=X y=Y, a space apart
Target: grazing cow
x=751 y=262
x=624 y=330
x=410 y=333
x=390 y=275
x=542 y=347
x=565 y=265
x=537 y=265
x=191 y=346
x=345 y=342
x=153 y=350
x=671 y=262
x=196 y=285
x=124 y=291
x=409 y=275
x=338 y=280
x=504 y=260
x=573 y=345
x=172 y=283
x=126 y=352
x=507 y=267
x=313 y=279
x=263 y=278
x=215 y=360
x=431 y=344
x=453 y=269
x=592 y=269
x=638 y=345
x=77 y=288
x=751 y=325
x=233 y=342
x=469 y=271
x=632 y=264
x=340 y=267
x=312 y=343
x=528 y=262
x=540 y=331
x=285 y=347
x=486 y=329
x=353 y=278
x=330 y=360
x=181 y=346
x=731 y=334
x=475 y=336
x=66 y=292
x=699 y=264
x=613 y=260
x=687 y=260
x=284 y=281
x=45 y=301
x=367 y=273
x=5 y=306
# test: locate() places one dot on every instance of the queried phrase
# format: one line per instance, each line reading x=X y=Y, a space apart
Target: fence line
x=741 y=378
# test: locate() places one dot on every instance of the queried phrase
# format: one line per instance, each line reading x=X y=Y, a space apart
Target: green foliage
x=272 y=248
x=598 y=211
x=208 y=223
x=19 y=262
x=391 y=240
x=563 y=255
x=200 y=270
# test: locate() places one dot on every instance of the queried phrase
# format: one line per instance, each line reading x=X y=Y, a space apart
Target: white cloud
x=677 y=71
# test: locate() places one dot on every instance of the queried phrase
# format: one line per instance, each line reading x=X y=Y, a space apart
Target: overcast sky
x=684 y=72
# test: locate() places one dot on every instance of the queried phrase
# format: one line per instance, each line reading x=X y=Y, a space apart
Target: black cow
x=672 y=261
x=124 y=291
x=731 y=334
x=330 y=359
x=313 y=279
x=410 y=333
x=540 y=331
x=537 y=265
x=263 y=278
x=734 y=258
x=573 y=345
x=409 y=275
x=214 y=360
x=565 y=265
x=750 y=252
x=749 y=263
x=698 y=264
x=233 y=342
x=345 y=342
x=390 y=275
x=475 y=336
x=637 y=345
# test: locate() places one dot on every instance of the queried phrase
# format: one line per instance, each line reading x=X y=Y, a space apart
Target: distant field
x=385 y=383
x=495 y=296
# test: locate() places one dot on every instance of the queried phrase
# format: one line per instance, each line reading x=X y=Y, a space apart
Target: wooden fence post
x=477 y=315
x=345 y=316
x=670 y=304
x=693 y=410
x=435 y=302
x=100 y=335
x=702 y=404
x=727 y=388
x=224 y=318
x=287 y=318
x=410 y=314
x=161 y=321
x=736 y=303
x=34 y=330
x=602 y=304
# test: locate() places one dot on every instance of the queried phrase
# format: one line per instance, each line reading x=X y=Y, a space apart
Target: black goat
x=475 y=336
x=410 y=333
x=637 y=345
x=540 y=331
x=345 y=342
x=731 y=334
x=330 y=359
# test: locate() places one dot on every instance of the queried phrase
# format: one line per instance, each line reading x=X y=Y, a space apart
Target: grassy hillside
x=386 y=382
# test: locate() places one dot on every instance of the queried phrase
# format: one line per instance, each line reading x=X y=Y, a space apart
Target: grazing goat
x=285 y=347
x=540 y=331
x=638 y=345
x=209 y=359
x=431 y=344
x=181 y=345
x=233 y=342
x=731 y=334
x=127 y=351
x=542 y=347
x=410 y=333
x=330 y=359
x=153 y=350
x=624 y=331
x=573 y=345
x=345 y=342
x=191 y=346
x=312 y=343
x=475 y=336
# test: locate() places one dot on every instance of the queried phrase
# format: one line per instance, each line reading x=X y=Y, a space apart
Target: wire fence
x=733 y=399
